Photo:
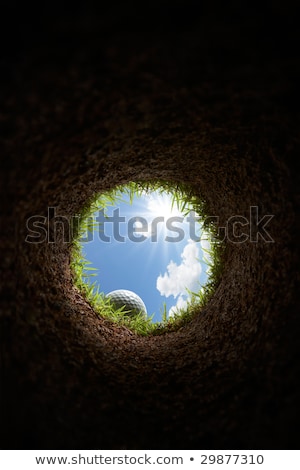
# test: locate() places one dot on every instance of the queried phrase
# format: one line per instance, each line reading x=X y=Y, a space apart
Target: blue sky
x=140 y=248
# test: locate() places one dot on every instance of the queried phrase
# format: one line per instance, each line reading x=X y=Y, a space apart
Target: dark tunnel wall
x=91 y=101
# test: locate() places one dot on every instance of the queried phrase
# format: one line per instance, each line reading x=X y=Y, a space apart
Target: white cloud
x=179 y=278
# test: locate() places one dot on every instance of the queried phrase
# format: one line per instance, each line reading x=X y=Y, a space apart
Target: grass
x=182 y=195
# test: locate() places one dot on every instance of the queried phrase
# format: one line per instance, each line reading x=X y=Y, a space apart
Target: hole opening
x=165 y=221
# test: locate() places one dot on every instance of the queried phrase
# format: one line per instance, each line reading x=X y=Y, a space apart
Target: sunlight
x=160 y=205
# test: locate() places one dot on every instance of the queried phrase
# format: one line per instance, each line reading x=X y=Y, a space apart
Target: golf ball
x=133 y=304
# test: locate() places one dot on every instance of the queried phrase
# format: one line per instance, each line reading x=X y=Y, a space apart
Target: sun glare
x=160 y=205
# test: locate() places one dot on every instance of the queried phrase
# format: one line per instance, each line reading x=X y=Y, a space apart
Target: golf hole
x=146 y=256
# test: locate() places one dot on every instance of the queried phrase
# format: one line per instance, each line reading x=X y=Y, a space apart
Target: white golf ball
x=132 y=303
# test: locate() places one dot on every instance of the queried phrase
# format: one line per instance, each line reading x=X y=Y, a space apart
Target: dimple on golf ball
x=132 y=303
